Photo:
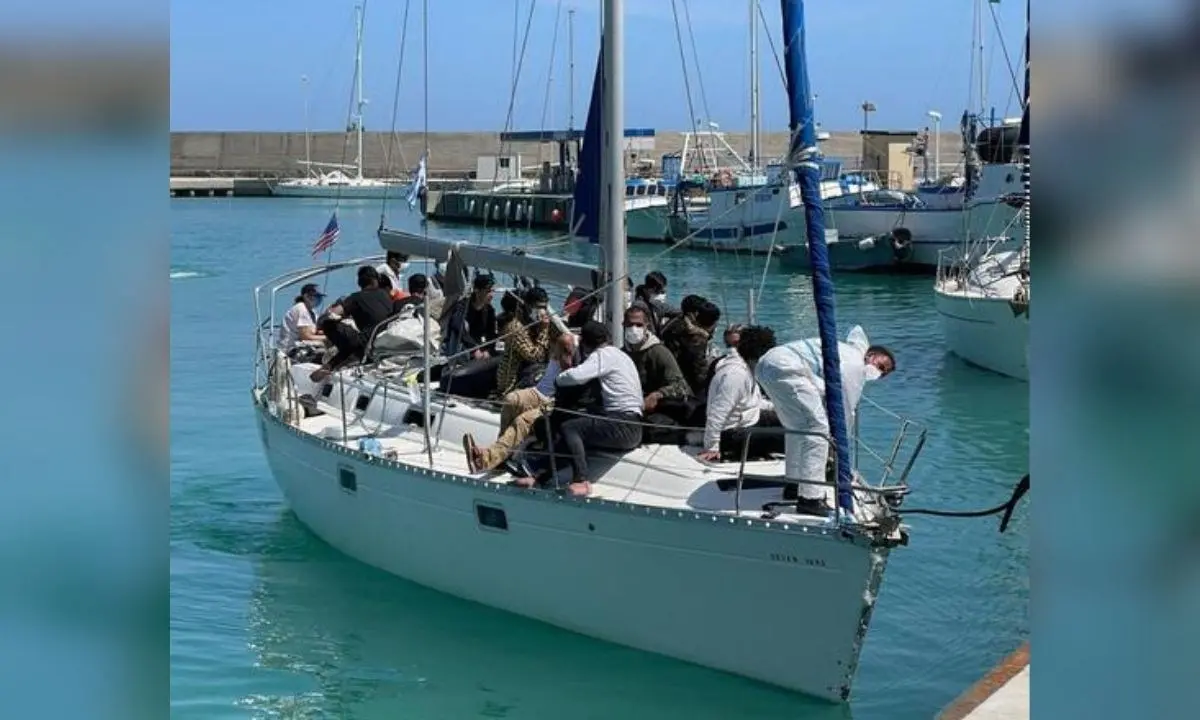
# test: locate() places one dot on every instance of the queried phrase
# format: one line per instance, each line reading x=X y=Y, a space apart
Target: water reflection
x=339 y=639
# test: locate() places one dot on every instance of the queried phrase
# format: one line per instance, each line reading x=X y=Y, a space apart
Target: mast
x=612 y=177
x=571 y=70
x=802 y=158
x=1023 y=138
x=982 y=68
x=358 y=88
x=307 y=132
x=754 y=159
x=426 y=359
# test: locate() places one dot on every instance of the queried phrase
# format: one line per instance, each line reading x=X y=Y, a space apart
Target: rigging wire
x=512 y=98
x=774 y=50
x=550 y=71
x=687 y=85
x=337 y=196
x=696 y=60
x=395 y=110
x=1003 y=47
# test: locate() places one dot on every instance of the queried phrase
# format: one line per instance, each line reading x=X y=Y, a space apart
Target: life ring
x=902 y=244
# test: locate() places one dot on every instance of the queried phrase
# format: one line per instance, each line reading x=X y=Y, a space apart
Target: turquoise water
x=268 y=621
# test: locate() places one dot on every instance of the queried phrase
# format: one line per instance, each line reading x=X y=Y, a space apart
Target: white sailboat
x=982 y=297
x=335 y=182
x=707 y=563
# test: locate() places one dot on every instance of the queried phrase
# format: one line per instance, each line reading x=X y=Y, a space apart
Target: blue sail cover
x=585 y=203
x=803 y=157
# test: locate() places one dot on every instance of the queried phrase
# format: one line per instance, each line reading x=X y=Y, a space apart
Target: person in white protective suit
x=793 y=377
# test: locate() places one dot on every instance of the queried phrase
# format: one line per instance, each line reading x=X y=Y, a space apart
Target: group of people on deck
x=661 y=380
x=348 y=325
x=568 y=388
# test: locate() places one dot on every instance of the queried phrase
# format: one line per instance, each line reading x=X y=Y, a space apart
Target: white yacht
x=709 y=563
x=983 y=306
x=982 y=294
x=334 y=182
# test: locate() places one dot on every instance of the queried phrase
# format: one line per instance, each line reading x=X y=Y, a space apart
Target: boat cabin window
x=628 y=191
x=347 y=479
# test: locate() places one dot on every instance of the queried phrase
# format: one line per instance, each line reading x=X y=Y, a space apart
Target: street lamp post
x=937 y=143
x=868 y=107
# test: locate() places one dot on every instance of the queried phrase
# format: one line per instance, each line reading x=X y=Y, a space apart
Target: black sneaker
x=812 y=506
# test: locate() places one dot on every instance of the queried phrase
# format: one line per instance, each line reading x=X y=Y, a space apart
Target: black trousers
x=601 y=433
x=571 y=436
x=762 y=445
x=349 y=343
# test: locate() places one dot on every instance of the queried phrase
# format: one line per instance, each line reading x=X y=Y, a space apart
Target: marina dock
x=1002 y=694
x=516 y=210
x=219 y=187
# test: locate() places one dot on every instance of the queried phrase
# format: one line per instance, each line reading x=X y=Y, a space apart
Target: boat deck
x=660 y=476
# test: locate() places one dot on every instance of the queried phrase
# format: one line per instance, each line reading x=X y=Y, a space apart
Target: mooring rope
x=1006 y=507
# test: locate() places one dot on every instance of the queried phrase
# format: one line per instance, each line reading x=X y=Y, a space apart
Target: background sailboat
x=983 y=303
x=343 y=180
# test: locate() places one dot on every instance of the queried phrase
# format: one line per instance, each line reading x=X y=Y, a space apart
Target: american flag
x=328 y=237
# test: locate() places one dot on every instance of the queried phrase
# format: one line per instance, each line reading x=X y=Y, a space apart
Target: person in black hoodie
x=482 y=327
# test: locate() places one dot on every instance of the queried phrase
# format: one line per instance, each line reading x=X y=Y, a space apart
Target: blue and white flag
x=418 y=184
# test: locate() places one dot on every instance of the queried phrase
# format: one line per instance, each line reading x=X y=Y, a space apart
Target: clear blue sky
x=237 y=64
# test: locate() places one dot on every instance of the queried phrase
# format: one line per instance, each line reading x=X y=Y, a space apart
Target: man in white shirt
x=793 y=377
x=735 y=404
x=300 y=322
x=392 y=267
x=619 y=427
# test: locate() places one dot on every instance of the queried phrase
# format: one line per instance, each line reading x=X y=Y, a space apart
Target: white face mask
x=635 y=336
x=872 y=372
x=661 y=297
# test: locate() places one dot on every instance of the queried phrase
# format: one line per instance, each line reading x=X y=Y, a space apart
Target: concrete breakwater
x=451 y=154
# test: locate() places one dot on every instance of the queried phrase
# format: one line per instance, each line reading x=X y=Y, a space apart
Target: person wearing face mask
x=528 y=333
x=299 y=329
x=651 y=296
x=393 y=265
x=793 y=377
x=659 y=374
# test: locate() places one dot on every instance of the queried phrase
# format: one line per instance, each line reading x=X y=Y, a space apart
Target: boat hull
x=646 y=224
x=344 y=192
x=775 y=603
x=985 y=332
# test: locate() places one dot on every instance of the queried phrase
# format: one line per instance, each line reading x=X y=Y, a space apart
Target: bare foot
x=525 y=482
x=319 y=375
x=582 y=488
